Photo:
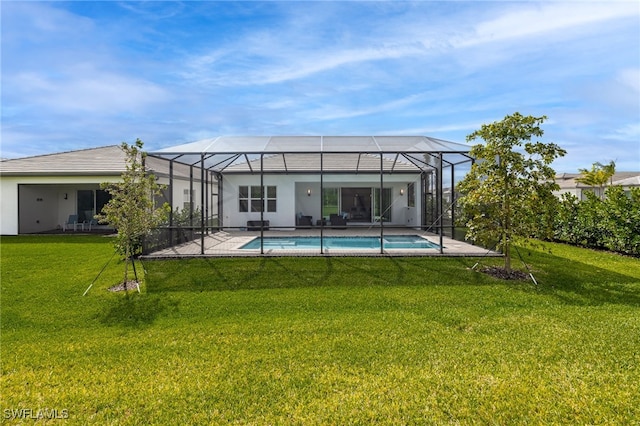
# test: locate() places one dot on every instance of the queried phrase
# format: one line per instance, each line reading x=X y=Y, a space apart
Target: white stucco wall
x=292 y=197
x=41 y=200
x=8 y=206
x=31 y=204
x=179 y=187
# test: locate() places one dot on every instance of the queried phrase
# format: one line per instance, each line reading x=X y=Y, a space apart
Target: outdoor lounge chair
x=92 y=222
x=257 y=225
x=304 y=221
x=72 y=222
x=338 y=221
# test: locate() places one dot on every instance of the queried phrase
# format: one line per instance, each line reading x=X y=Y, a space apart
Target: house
x=251 y=182
x=284 y=182
x=569 y=185
x=40 y=193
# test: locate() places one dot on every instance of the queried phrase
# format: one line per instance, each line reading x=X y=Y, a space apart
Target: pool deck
x=227 y=244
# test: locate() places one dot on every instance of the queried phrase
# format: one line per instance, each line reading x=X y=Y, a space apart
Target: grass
x=319 y=340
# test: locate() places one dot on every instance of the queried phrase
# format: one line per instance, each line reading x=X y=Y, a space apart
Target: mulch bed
x=504 y=274
x=130 y=285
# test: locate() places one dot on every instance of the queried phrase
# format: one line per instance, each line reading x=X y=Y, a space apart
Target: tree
x=599 y=175
x=508 y=190
x=132 y=209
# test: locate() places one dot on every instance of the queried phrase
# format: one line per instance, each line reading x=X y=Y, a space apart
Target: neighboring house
x=569 y=185
x=38 y=194
x=365 y=180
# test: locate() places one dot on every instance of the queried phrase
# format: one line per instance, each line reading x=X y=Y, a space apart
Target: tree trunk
x=506 y=243
x=507 y=254
x=126 y=267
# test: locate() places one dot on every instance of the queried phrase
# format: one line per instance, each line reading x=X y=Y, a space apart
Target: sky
x=84 y=74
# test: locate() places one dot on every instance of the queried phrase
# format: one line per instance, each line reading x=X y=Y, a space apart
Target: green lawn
x=318 y=340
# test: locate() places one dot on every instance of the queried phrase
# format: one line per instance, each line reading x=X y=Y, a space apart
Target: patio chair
x=304 y=221
x=72 y=222
x=92 y=222
x=338 y=221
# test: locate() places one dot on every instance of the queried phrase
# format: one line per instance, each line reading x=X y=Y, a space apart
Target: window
x=187 y=199
x=249 y=197
x=243 y=198
x=271 y=198
x=411 y=194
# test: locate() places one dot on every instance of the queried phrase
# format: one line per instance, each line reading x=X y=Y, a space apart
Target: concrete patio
x=227 y=244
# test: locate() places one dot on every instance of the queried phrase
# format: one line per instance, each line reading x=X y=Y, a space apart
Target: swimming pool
x=341 y=243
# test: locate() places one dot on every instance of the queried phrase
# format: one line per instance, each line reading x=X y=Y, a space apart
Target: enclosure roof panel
x=314 y=144
x=300 y=163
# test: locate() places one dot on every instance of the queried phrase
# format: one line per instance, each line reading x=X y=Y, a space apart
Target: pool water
x=341 y=243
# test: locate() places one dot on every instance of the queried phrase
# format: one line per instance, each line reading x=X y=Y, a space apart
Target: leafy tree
x=598 y=176
x=508 y=190
x=132 y=209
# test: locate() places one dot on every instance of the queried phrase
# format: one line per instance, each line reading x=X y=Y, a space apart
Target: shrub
x=612 y=222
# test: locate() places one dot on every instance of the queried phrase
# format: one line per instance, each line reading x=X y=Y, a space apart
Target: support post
x=191 y=200
x=321 y=203
x=381 y=204
x=439 y=199
x=171 y=202
x=452 y=204
x=206 y=201
x=201 y=203
x=220 y=203
x=263 y=203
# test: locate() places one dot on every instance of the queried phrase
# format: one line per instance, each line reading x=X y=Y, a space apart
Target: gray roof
x=568 y=180
x=107 y=160
x=300 y=153
x=103 y=161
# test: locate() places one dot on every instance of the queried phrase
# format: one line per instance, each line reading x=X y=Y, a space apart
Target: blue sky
x=86 y=74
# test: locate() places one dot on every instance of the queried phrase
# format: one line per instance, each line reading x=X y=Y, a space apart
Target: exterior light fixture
x=309 y=192
x=65 y=196
x=401 y=191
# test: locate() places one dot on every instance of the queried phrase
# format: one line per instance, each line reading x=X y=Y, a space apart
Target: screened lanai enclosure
x=319 y=186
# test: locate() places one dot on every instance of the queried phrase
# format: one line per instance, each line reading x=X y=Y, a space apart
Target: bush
x=622 y=220
x=611 y=223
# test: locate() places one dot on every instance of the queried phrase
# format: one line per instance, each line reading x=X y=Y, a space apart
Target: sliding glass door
x=330 y=202
x=356 y=203
x=382 y=211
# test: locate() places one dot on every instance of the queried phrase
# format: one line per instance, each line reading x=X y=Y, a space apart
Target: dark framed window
x=250 y=197
x=272 y=198
x=411 y=194
x=188 y=198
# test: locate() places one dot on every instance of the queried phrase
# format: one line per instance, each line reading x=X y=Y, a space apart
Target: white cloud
x=86 y=89
x=273 y=56
x=628 y=132
x=277 y=63
x=334 y=112
x=461 y=129
x=436 y=68
x=630 y=78
x=545 y=18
